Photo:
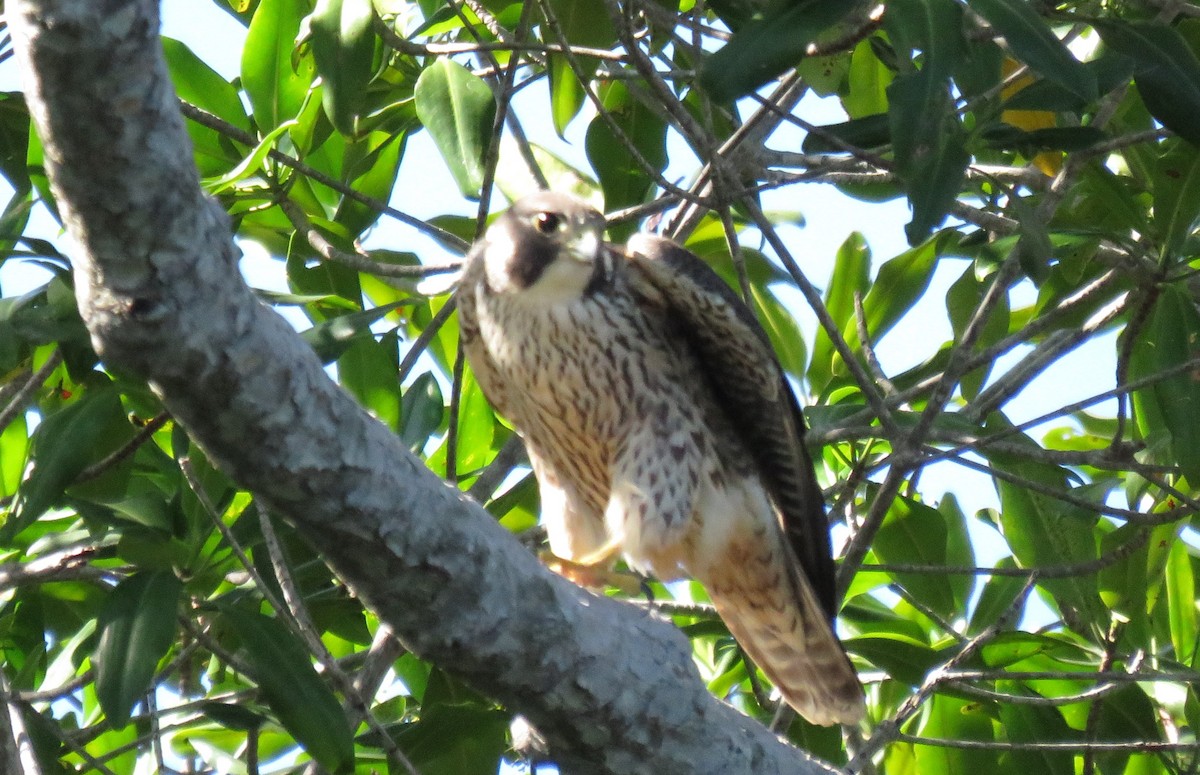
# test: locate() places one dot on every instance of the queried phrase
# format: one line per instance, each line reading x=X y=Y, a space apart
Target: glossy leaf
x=851 y=271
x=1034 y=723
x=457 y=108
x=915 y=533
x=610 y=149
x=198 y=84
x=950 y=718
x=1170 y=408
x=1029 y=142
x=456 y=740
x=299 y=697
x=368 y=370
x=935 y=28
x=867 y=132
x=1165 y=69
x=962 y=301
x=1046 y=532
x=1181 y=604
x=867 y=82
x=330 y=338
x=567 y=96
x=136 y=629
x=766 y=47
x=14 y=453
x=582 y=23
x=928 y=143
x=251 y=164
x=276 y=89
x=65 y=443
x=1036 y=45
x=901 y=657
x=900 y=283
x=1126 y=714
x=372 y=170
x=422 y=410
x=1176 y=197
x=1110 y=71
x=343 y=47
x=476 y=432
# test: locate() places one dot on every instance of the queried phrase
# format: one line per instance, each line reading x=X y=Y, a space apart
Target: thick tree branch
x=611 y=688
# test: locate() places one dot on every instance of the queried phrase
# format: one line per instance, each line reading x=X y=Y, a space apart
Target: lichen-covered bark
x=611 y=689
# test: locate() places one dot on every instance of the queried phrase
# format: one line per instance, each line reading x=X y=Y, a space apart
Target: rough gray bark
x=610 y=688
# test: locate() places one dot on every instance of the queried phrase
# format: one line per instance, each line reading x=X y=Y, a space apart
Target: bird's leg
x=594 y=569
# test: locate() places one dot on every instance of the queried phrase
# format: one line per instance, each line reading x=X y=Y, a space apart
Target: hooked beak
x=586 y=247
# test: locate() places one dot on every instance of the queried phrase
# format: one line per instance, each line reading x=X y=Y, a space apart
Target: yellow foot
x=594 y=575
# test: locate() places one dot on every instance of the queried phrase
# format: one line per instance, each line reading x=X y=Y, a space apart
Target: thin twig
x=21 y=398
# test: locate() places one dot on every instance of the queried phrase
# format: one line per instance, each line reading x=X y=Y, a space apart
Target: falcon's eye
x=547 y=223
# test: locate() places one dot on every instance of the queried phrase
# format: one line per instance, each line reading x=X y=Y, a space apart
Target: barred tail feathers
x=774 y=614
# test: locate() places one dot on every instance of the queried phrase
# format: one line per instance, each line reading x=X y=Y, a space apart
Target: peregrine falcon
x=661 y=428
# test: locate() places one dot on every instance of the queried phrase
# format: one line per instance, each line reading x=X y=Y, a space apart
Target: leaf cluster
x=154 y=615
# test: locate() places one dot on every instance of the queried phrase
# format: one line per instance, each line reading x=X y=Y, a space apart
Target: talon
x=595 y=576
x=644 y=586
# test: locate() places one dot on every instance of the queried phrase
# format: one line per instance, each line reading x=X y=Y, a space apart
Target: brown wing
x=751 y=388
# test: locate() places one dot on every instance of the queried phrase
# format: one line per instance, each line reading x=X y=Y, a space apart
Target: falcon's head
x=548 y=247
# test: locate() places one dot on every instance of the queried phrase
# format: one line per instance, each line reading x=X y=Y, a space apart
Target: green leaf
x=950 y=718
x=935 y=27
x=1043 y=531
x=232 y=716
x=299 y=698
x=476 y=431
x=330 y=338
x=343 y=47
x=867 y=80
x=1170 y=408
x=136 y=629
x=899 y=284
x=962 y=300
x=583 y=23
x=766 y=47
x=913 y=532
x=826 y=75
x=622 y=177
x=422 y=410
x=456 y=740
x=1181 y=604
x=251 y=164
x=1031 y=142
x=1165 y=69
x=870 y=131
x=1124 y=585
x=851 y=275
x=458 y=109
x=566 y=92
x=14 y=451
x=65 y=443
x=903 y=658
x=1023 y=723
x=380 y=164
x=1176 y=197
x=1032 y=41
x=1126 y=714
x=781 y=328
x=368 y=370
x=1110 y=71
x=927 y=139
x=198 y=84
x=276 y=90
x=1011 y=648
